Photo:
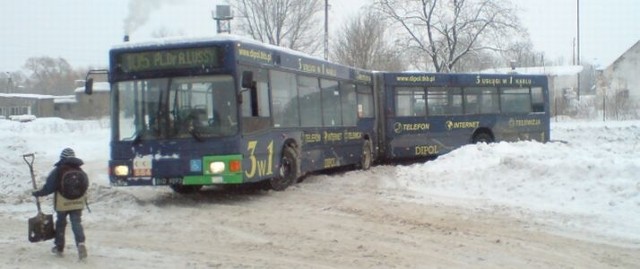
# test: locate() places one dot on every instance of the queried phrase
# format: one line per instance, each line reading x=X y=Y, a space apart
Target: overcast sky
x=82 y=31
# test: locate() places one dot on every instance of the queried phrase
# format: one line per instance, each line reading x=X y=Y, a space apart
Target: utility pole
x=9 y=82
x=326 y=29
x=578 y=45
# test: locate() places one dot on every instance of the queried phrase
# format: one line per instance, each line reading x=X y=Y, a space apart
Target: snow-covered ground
x=588 y=178
x=584 y=183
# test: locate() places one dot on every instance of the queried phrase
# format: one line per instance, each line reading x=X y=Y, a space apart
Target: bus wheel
x=185 y=189
x=367 y=156
x=288 y=172
x=482 y=138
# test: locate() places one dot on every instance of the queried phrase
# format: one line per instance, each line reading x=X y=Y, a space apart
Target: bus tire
x=367 y=156
x=185 y=189
x=482 y=137
x=288 y=171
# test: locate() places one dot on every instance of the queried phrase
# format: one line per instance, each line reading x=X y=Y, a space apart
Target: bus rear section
x=427 y=114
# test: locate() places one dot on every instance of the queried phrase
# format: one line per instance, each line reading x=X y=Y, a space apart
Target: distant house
x=26 y=104
x=621 y=79
x=82 y=106
x=76 y=106
x=563 y=83
x=96 y=104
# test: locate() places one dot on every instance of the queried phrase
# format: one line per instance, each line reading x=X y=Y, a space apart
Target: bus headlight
x=216 y=167
x=121 y=170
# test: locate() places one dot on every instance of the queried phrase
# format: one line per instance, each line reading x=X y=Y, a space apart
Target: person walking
x=69 y=183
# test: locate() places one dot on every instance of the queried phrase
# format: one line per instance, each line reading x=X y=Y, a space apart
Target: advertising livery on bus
x=426 y=114
x=227 y=110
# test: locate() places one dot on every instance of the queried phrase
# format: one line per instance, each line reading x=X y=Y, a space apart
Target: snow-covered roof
x=97 y=87
x=65 y=99
x=565 y=70
x=635 y=47
x=213 y=38
x=27 y=95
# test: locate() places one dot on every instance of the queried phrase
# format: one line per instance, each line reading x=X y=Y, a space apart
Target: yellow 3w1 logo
x=260 y=166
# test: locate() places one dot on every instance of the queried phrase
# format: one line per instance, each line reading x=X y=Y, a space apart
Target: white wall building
x=622 y=78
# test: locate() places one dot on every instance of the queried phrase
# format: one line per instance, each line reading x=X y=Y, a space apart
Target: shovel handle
x=29 y=158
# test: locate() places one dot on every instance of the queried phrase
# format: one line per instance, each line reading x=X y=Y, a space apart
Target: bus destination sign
x=168 y=59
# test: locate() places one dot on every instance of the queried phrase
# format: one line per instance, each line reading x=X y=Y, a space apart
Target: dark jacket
x=54 y=177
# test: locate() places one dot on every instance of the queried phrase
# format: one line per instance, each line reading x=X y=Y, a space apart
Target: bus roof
x=252 y=51
x=186 y=41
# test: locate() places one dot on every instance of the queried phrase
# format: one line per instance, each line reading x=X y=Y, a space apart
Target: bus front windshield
x=182 y=107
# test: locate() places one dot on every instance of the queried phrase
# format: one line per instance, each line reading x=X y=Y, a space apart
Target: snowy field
x=586 y=179
x=585 y=183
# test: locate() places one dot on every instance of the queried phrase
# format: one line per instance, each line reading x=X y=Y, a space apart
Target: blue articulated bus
x=227 y=110
x=427 y=114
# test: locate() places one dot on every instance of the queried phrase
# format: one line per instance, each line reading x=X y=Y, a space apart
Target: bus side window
x=349 y=104
x=471 y=101
x=489 y=101
x=255 y=107
x=455 y=104
x=537 y=100
x=365 y=101
x=437 y=101
x=515 y=100
x=410 y=101
x=331 y=108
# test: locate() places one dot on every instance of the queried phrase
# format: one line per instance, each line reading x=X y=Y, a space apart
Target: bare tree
x=362 y=42
x=478 y=60
x=293 y=24
x=446 y=31
x=523 y=54
x=51 y=75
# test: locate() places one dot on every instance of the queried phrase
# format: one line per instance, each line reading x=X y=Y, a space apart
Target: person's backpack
x=73 y=183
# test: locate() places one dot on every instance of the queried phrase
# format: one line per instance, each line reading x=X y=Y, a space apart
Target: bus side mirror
x=88 y=86
x=88 y=81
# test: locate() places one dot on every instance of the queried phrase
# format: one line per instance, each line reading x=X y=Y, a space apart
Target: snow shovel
x=40 y=226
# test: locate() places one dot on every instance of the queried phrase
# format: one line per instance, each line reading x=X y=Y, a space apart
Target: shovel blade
x=41 y=228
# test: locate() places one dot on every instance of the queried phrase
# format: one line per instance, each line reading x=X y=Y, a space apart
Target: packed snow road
x=349 y=223
x=504 y=205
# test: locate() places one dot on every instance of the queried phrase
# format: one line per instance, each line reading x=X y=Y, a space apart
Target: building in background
x=76 y=106
x=619 y=85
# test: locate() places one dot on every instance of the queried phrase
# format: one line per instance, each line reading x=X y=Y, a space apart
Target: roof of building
x=65 y=99
x=56 y=98
x=635 y=47
x=27 y=95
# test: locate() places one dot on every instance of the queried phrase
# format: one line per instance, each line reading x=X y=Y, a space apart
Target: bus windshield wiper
x=137 y=138
x=195 y=134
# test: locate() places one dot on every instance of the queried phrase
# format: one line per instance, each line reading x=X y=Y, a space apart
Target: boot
x=57 y=250
x=82 y=251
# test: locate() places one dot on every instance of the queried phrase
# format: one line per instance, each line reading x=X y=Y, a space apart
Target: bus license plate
x=167 y=181
x=215 y=180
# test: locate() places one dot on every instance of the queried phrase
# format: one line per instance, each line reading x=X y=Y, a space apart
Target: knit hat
x=66 y=153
